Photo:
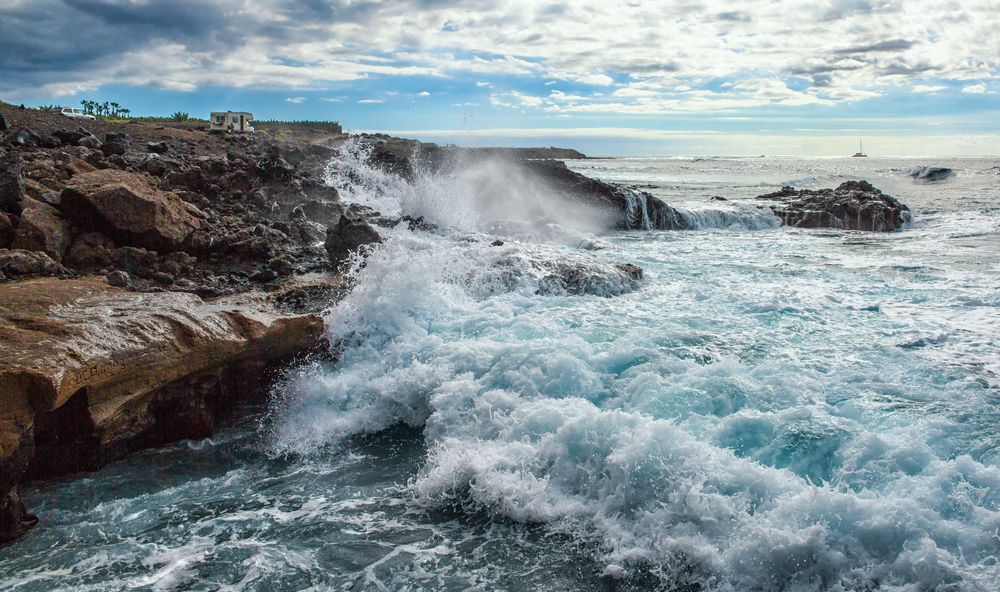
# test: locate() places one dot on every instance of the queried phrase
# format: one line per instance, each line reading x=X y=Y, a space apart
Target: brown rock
x=11 y=183
x=16 y=263
x=42 y=229
x=90 y=372
x=130 y=208
x=6 y=231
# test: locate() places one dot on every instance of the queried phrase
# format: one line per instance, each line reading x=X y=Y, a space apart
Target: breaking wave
x=717 y=424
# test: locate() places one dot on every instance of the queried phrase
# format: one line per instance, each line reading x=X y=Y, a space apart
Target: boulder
x=26 y=137
x=42 y=229
x=158 y=147
x=118 y=279
x=17 y=263
x=91 y=250
x=90 y=141
x=348 y=236
x=116 y=143
x=11 y=183
x=3 y=123
x=129 y=208
x=854 y=205
x=90 y=372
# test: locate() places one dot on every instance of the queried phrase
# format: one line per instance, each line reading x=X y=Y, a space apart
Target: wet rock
x=129 y=208
x=624 y=208
x=41 y=228
x=16 y=263
x=631 y=270
x=119 y=279
x=26 y=137
x=275 y=168
x=854 y=205
x=347 y=237
x=11 y=183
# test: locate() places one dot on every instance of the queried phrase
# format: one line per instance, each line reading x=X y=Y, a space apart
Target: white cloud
x=974 y=89
x=371 y=101
x=423 y=94
x=295 y=100
x=929 y=89
x=596 y=79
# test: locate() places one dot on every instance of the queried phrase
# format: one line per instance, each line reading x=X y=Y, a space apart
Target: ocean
x=768 y=408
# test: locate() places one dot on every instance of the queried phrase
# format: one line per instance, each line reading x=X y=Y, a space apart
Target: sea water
x=768 y=408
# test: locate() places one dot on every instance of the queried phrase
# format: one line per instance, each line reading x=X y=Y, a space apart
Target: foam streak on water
x=767 y=409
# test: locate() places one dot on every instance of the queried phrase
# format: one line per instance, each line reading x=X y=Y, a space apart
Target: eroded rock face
x=90 y=372
x=854 y=205
x=128 y=207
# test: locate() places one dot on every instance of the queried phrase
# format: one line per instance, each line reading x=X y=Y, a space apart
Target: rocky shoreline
x=153 y=276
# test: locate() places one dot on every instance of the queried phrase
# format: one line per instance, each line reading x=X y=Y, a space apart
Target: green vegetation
x=306 y=122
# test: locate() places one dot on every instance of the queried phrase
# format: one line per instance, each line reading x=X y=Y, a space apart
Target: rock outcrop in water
x=630 y=209
x=854 y=205
x=89 y=373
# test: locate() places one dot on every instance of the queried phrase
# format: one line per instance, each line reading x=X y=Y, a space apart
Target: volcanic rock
x=347 y=236
x=11 y=183
x=6 y=231
x=42 y=229
x=854 y=205
x=26 y=137
x=129 y=208
x=17 y=263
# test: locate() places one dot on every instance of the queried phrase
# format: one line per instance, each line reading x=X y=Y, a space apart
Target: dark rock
x=158 y=147
x=6 y=231
x=71 y=137
x=11 y=183
x=119 y=279
x=347 y=237
x=496 y=243
x=854 y=205
x=136 y=261
x=26 y=137
x=275 y=168
x=159 y=166
x=264 y=276
x=116 y=161
x=42 y=229
x=632 y=271
x=281 y=266
x=49 y=141
x=163 y=278
x=116 y=143
x=129 y=208
x=624 y=208
x=3 y=123
x=16 y=263
x=91 y=250
x=91 y=142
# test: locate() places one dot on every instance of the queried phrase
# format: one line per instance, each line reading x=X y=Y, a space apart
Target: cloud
x=841 y=51
x=295 y=100
x=974 y=89
x=423 y=94
x=371 y=101
x=929 y=89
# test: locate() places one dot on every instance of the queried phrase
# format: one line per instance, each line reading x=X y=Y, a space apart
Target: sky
x=913 y=77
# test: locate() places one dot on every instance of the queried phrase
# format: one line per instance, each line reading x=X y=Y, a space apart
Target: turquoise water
x=768 y=409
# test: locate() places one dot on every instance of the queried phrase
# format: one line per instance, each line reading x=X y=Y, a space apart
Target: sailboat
x=861 y=151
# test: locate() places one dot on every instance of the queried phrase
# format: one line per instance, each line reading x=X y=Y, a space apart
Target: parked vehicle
x=75 y=113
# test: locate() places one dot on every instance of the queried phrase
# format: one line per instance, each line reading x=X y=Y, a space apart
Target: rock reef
x=853 y=205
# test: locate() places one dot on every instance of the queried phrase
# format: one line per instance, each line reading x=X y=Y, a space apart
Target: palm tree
x=114 y=109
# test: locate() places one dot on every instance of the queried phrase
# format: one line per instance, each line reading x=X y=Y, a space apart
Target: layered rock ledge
x=90 y=372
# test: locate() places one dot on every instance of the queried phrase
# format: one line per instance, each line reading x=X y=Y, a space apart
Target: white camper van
x=237 y=122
